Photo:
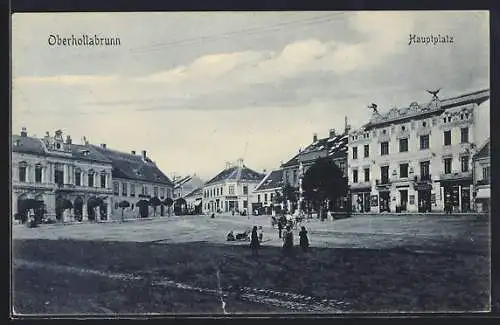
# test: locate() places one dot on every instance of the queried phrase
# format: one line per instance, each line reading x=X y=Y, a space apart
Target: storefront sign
x=374 y=200
x=412 y=199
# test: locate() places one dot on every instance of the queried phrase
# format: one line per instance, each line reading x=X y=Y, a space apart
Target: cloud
x=68 y=80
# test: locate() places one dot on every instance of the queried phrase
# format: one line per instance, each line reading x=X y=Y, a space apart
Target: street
x=169 y=265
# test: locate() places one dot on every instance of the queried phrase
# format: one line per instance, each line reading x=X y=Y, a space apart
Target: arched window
x=22 y=171
x=38 y=173
x=91 y=178
x=78 y=177
x=103 y=179
x=59 y=174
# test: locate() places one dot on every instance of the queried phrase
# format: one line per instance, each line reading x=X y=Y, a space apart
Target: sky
x=196 y=90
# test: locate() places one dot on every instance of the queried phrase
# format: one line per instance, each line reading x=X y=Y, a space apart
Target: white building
x=415 y=158
x=55 y=172
x=232 y=189
x=136 y=178
x=267 y=189
x=482 y=178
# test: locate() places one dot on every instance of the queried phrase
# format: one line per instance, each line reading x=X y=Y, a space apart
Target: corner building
x=417 y=158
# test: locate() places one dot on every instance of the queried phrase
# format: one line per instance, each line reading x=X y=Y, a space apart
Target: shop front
x=457 y=195
x=360 y=199
x=424 y=197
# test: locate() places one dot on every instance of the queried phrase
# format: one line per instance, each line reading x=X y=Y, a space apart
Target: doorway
x=465 y=199
x=424 y=201
x=384 y=201
x=404 y=200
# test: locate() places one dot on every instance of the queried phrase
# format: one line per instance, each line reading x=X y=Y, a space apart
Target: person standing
x=288 y=241
x=261 y=234
x=280 y=227
x=304 y=241
x=254 y=241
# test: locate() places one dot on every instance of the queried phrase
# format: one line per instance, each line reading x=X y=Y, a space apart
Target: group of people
x=288 y=245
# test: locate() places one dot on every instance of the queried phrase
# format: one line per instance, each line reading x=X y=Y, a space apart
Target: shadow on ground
x=411 y=279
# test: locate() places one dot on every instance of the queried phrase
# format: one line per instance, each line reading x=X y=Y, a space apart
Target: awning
x=483 y=193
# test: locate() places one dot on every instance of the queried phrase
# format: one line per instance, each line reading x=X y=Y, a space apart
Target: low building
x=482 y=178
x=231 y=190
x=136 y=179
x=71 y=181
x=194 y=201
x=186 y=185
x=415 y=158
x=266 y=190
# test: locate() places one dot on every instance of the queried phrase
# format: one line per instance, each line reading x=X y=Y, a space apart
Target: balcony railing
x=422 y=178
x=483 y=182
x=383 y=181
x=455 y=175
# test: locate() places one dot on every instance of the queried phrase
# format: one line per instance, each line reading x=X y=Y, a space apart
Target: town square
x=269 y=170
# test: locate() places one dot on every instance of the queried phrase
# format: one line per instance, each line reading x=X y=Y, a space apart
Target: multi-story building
x=135 y=178
x=71 y=181
x=232 y=189
x=271 y=184
x=333 y=147
x=415 y=158
x=482 y=178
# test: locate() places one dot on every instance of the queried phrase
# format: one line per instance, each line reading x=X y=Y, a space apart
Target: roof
x=273 y=180
x=189 y=181
x=434 y=107
x=236 y=173
x=196 y=192
x=333 y=147
x=134 y=167
x=484 y=151
x=35 y=146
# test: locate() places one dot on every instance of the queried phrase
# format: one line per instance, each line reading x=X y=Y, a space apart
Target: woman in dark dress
x=304 y=241
x=254 y=241
x=288 y=241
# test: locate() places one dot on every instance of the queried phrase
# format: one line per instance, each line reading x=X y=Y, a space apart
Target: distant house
x=231 y=189
x=194 y=201
x=266 y=190
x=482 y=178
x=136 y=179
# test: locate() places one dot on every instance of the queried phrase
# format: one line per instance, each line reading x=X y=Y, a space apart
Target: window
x=294 y=176
x=464 y=162
x=464 y=135
x=78 y=177
x=424 y=124
x=272 y=197
x=59 y=175
x=354 y=152
x=447 y=137
x=116 y=188
x=355 y=176
x=38 y=173
x=265 y=197
x=162 y=192
x=145 y=190
x=424 y=170
x=124 y=189
x=486 y=172
x=245 y=204
x=132 y=189
x=221 y=191
x=384 y=174
x=403 y=145
x=155 y=191
x=424 y=142
x=367 y=150
x=103 y=180
x=91 y=179
x=447 y=165
x=231 y=189
x=22 y=172
x=384 y=148
x=403 y=170
x=245 y=189
x=367 y=174
x=258 y=198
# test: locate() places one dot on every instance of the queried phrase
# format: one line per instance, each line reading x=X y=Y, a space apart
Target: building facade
x=415 y=159
x=265 y=191
x=482 y=178
x=231 y=190
x=185 y=185
x=194 y=201
x=73 y=182
x=333 y=147
x=135 y=179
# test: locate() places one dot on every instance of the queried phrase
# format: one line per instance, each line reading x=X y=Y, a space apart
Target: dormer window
x=449 y=118
x=403 y=128
x=424 y=124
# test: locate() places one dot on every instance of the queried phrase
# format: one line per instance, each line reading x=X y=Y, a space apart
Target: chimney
x=24 y=133
x=347 y=127
x=132 y=152
x=144 y=154
x=103 y=145
x=315 y=137
x=332 y=133
x=68 y=140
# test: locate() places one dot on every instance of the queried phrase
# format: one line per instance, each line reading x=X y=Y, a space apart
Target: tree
x=154 y=202
x=168 y=203
x=324 y=181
